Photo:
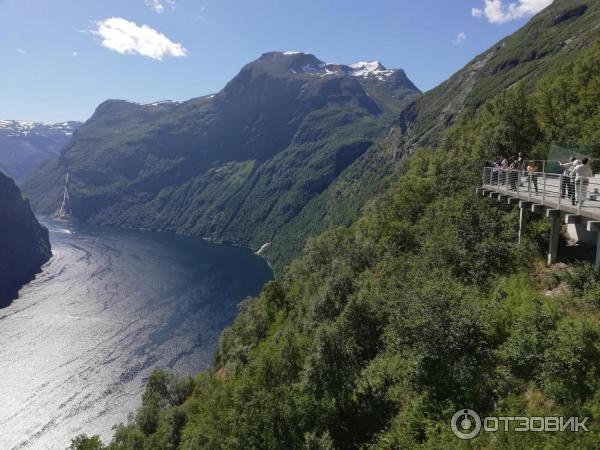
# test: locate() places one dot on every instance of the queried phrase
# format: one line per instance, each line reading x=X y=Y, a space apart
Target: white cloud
x=126 y=37
x=21 y=51
x=74 y=54
x=460 y=38
x=159 y=5
x=496 y=11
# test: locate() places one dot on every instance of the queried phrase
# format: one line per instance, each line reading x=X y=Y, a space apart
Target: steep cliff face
x=24 y=243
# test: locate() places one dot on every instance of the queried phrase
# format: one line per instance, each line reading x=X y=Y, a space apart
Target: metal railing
x=553 y=164
x=546 y=188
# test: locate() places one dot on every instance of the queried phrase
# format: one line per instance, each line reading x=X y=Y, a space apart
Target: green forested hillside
x=236 y=166
x=425 y=305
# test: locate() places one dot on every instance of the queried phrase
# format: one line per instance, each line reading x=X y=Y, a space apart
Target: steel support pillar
x=524 y=208
x=594 y=226
x=554 y=216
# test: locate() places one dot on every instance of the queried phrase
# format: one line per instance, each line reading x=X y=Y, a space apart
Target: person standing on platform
x=505 y=168
x=566 y=178
x=514 y=174
x=576 y=163
x=582 y=174
x=532 y=169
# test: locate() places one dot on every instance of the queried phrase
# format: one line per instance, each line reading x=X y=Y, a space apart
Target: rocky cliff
x=24 y=243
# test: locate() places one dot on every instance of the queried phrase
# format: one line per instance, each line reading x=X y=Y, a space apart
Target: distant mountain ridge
x=234 y=166
x=25 y=145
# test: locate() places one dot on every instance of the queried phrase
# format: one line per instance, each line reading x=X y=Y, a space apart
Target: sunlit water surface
x=110 y=306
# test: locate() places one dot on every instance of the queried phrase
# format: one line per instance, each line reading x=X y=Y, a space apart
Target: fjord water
x=111 y=305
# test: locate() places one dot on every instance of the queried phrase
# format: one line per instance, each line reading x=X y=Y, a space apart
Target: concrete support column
x=524 y=208
x=595 y=227
x=554 y=216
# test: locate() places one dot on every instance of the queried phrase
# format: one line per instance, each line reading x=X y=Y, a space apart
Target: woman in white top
x=582 y=173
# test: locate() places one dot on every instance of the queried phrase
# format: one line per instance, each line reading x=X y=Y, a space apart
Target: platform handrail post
x=579 y=195
x=544 y=189
x=560 y=183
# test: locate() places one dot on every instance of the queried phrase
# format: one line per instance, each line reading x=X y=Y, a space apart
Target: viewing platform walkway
x=557 y=196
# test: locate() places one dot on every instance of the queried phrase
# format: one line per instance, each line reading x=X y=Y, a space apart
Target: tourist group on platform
x=513 y=170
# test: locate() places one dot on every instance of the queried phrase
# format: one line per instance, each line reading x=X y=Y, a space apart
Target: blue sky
x=61 y=58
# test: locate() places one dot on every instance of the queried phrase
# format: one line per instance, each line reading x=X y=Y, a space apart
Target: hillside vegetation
x=424 y=306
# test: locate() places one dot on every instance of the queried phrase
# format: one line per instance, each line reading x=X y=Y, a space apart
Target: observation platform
x=557 y=196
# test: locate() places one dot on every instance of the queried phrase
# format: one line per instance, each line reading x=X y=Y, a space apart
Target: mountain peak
x=367 y=65
x=370 y=69
x=300 y=63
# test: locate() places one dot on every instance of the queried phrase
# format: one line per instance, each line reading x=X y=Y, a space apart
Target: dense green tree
x=84 y=442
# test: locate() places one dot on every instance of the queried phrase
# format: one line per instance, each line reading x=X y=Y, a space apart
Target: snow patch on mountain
x=363 y=69
x=14 y=128
x=370 y=69
x=163 y=103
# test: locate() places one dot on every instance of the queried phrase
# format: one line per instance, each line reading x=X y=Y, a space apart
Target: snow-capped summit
x=305 y=63
x=370 y=69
